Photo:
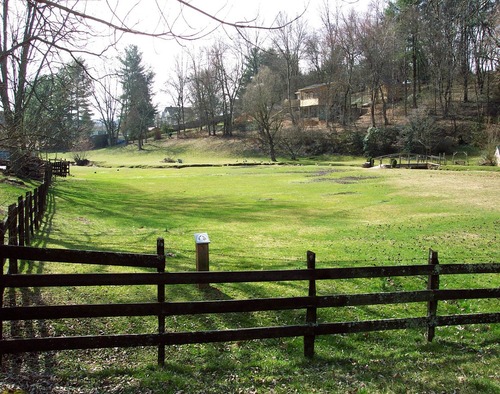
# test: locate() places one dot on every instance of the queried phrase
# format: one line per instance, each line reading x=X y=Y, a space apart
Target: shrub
x=80 y=158
x=380 y=141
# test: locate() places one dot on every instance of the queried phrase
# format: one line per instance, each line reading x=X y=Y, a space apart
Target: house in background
x=325 y=101
x=169 y=116
x=313 y=100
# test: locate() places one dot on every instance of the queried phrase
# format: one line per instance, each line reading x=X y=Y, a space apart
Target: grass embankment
x=195 y=149
x=261 y=217
x=11 y=189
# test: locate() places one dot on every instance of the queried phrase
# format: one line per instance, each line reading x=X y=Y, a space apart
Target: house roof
x=312 y=87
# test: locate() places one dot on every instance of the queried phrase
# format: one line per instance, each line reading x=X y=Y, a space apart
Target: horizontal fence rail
x=234 y=306
x=83 y=256
x=309 y=328
x=180 y=278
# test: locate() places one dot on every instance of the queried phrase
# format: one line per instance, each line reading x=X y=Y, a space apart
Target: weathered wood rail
x=311 y=303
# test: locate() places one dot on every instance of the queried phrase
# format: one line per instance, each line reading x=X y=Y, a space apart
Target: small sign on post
x=202 y=262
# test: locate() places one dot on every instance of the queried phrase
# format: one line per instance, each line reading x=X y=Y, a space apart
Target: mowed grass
x=267 y=217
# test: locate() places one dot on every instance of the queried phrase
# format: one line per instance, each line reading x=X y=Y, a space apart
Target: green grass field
x=267 y=217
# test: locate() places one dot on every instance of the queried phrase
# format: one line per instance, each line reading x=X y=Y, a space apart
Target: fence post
x=34 y=210
x=39 y=206
x=160 y=251
x=20 y=215
x=311 y=313
x=27 y=215
x=202 y=255
x=45 y=190
x=12 y=227
x=42 y=197
x=2 y=260
x=432 y=284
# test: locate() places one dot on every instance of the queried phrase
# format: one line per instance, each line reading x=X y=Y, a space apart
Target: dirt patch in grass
x=347 y=180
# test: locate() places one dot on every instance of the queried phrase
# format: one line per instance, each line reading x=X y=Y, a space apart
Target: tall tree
x=479 y=41
x=107 y=104
x=228 y=64
x=322 y=51
x=177 y=87
x=337 y=60
x=58 y=114
x=205 y=90
x=262 y=101
x=290 y=42
x=138 y=112
x=441 y=43
x=77 y=89
x=374 y=37
x=407 y=14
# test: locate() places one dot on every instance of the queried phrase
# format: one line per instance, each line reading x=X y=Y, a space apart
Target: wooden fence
x=60 y=167
x=309 y=328
x=25 y=216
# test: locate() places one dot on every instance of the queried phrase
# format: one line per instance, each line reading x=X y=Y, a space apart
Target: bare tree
x=375 y=43
x=441 y=48
x=108 y=105
x=177 y=87
x=228 y=63
x=323 y=54
x=262 y=102
x=407 y=16
x=290 y=42
x=204 y=90
x=340 y=56
x=351 y=54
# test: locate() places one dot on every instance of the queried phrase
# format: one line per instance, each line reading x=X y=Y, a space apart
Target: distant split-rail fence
x=308 y=328
x=60 y=167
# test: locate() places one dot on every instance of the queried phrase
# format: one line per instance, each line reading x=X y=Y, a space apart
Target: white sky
x=159 y=54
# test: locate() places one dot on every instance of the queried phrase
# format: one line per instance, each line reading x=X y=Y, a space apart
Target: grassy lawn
x=267 y=217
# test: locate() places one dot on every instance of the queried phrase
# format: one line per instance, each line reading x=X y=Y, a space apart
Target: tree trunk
x=372 y=107
x=414 y=61
x=384 y=107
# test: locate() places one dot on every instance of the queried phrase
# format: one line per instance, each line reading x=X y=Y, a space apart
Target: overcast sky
x=159 y=54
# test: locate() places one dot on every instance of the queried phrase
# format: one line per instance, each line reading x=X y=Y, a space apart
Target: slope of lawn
x=191 y=150
x=267 y=217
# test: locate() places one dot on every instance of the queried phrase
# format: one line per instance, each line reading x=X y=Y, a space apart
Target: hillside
x=443 y=134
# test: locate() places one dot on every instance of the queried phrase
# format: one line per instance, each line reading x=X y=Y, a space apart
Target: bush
x=421 y=134
x=157 y=134
x=380 y=141
x=351 y=143
x=80 y=158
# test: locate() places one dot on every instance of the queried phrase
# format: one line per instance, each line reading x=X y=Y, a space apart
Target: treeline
x=427 y=57
x=434 y=60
